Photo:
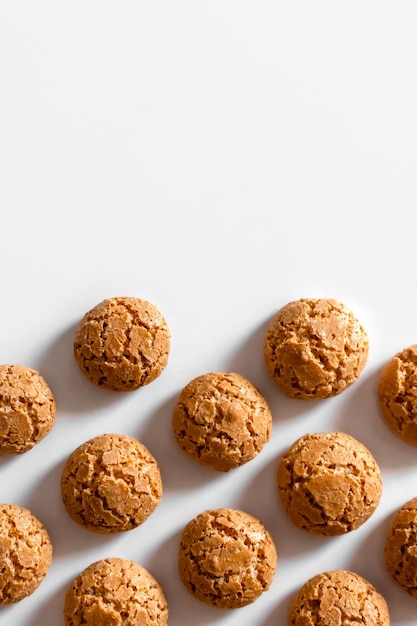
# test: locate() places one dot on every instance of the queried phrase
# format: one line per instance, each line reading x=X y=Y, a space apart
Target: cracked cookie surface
x=315 y=348
x=25 y=553
x=338 y=598
x=122 y=344
x=329 y=483
x=397 y=392
x=401 y=547
x=27 y=409
x=221 y=420
x=115 y=592
x=227 y=558
x=111 y=484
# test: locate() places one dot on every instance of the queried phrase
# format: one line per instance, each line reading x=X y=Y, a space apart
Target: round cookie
x=227 y=558
x=26 y=553
x=111 y=484
x=315 y=348
x=401 y=547
x=338 y=597
x=27 y=409
x=329 y=483
x=122 y=344
x=397 y=392
x=221 y=420
x=115 y=592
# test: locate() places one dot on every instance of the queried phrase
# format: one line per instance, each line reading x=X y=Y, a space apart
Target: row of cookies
x=330 y=483
x=93 y=491
x=227 y=559
x=114 y=591
x=221 y=420
x=312 y=348
x=318 y=348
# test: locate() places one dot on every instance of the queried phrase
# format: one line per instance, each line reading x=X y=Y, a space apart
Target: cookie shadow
x=7 y=459
x=279 y=614
x=45 y=502
x=72 y=391
x=6 y=613
x=368 y=561
x=249 y=361
x=359 y=415
x=260 y=498
x=184 y=609
x=51 y=612
x=179 y=472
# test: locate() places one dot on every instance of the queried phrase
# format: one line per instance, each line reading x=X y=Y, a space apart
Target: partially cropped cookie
x=27 y=409
x=338 y=598
x=397 y=392
x=26 y=553
x=315 y=348
x=111 y=484
x=122 y=344
x=401 y=547
x=115 y=592
x=227 y=558
x=329 y=483
x=221 y=420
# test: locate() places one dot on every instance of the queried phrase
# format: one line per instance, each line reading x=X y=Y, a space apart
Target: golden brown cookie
x=26 y=553
x=397 y=392
x=122 y=344
x=111 y=484
x=315 y=348
x=221 y=420
x=401 y=547
x=27 y=409
x=227 y=558
x=115 y=592
x=338 y=598
x=329 y=483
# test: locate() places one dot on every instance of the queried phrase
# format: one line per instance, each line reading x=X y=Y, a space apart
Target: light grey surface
x=218 y=159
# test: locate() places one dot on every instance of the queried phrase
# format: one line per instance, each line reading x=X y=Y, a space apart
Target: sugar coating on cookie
x=221 y=420
x=115 y=592
x=227 y=558
x=401 y=547
x=397 y=392
x=329 y=483
x=122 y=344
x=111 y=484
x=315 y=348
x=27 y=408
x=338 y=598
x=26 y=553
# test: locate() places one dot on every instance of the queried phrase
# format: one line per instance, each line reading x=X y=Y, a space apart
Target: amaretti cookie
x=27 y=408
x=111 y=484
x=115 y=592
x=397 y=392
x=338 y=598
x=227 y=558
x=221 y=420
x=122 y=344
x=26 y=553
x=401 y=547
x=329 y=483
x=315 y=348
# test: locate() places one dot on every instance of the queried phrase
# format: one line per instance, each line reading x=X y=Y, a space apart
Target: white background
x=218 y=159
